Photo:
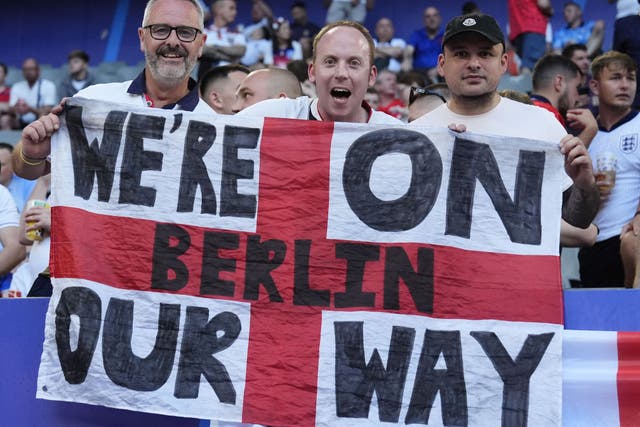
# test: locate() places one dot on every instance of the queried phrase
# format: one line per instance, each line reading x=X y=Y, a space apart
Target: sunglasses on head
x=419 y=92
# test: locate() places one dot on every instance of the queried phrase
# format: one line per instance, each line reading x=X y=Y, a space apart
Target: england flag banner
x=302 y=273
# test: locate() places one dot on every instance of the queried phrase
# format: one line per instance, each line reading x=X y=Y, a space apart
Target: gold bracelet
x=29 y=163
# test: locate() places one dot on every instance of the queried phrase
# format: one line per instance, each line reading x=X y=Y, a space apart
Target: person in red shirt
x=387 y=87
x=5 y=93
x=556 y=81
x=528 y=21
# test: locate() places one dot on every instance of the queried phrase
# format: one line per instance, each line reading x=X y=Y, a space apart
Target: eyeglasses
x=163 y=31
x=419 y=92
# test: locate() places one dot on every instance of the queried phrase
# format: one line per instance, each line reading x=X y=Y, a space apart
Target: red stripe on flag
x=292 y=206
x=628 y=378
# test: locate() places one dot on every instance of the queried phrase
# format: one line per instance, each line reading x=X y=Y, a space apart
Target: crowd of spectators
x=275 y=58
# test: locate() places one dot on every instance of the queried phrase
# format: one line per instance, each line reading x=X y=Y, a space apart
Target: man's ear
x=214 y=100
x=594 y=85
x=373 y=76
x=558 y=82
x=141 y=37
x=311 y=72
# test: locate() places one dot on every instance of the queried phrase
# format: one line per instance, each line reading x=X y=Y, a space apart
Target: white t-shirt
x=42 y=93
x=508 y=118
x=394 y=64
x=8 y=211
x=301 y=108
x=626 y=8
x=224 y=37
x=623 y=141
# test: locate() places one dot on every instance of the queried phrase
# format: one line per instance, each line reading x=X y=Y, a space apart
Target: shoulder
x=203 y=108
x=284 y=108
x=106 y=91
x=378 y=117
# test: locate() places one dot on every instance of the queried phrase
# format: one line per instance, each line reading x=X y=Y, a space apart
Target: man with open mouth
x=342 y=70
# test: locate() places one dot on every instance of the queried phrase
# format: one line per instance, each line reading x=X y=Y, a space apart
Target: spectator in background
x=624 y=8
x=389 y=49
x=556 y=81
x=6 y=117
x=218 y=86
x=302 y=29
x=348 y=10
x=589 y=33
x=470 y=7
x=612 y=261
x=19 y=188
x=579 y=55
x=528 y=21
x=171 y=38
x=32 y=97
x=423 y=100
x=285 y=49
x=206 y=11
x=301 y=70
x=372 y=97
x=626 y=39
x=342 y=70
x=268 y=83
x=35 y=272
x=424 y=45
x=258 y=35
x=223 y=45
x=386 y=85
x=407 y=80
x=79 y=76
x=11 y=251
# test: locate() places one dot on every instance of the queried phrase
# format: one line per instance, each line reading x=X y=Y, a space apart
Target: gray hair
x=196 y=3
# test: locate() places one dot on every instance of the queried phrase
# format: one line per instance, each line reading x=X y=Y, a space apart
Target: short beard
x=168 y=74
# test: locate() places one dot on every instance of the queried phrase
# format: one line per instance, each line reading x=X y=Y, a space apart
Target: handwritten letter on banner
x=289 y=272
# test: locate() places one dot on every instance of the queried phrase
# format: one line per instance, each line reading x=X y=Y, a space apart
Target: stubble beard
x=169 y=73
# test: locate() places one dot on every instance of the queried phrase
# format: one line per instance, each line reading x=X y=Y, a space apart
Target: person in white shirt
x=472 y=61
x=389 y=49
x=32 y=97
x=223 y=45
x=612 y=261
x=342 y=69
x=172 y=39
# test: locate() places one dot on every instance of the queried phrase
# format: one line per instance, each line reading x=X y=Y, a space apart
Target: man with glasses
x=472 y=61
x=171 y=39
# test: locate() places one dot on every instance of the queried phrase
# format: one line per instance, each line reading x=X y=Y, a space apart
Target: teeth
x=340 y=92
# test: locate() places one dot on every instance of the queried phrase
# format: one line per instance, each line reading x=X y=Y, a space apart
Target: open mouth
x=169 y=53
x=340 y=93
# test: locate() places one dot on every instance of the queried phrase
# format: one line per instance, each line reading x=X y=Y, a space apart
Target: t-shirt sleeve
x=8 y=211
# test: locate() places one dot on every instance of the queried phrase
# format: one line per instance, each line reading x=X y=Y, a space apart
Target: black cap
x=477 y=23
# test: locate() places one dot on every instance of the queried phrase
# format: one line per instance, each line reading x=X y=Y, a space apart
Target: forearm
x=10 y=256
x=392 y=51
x=580 y=205
x=27 y=167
